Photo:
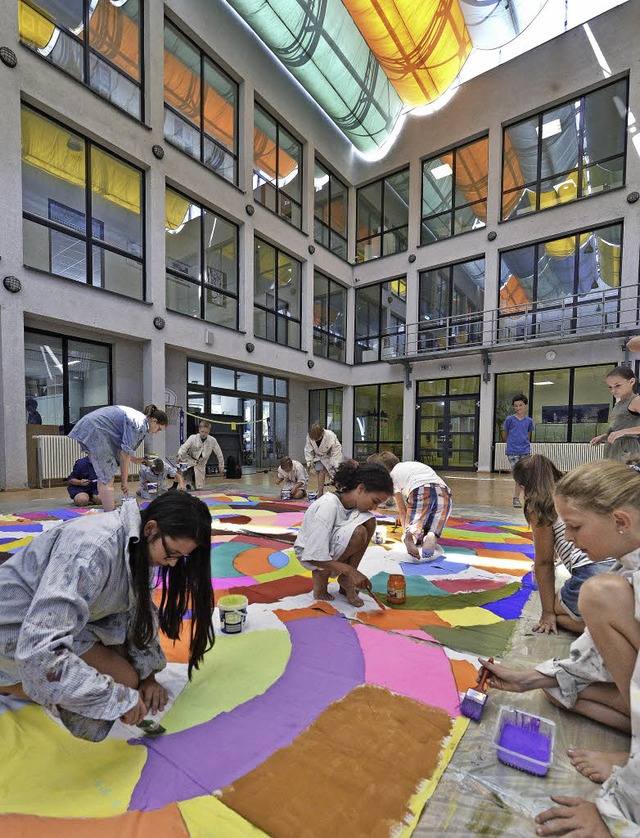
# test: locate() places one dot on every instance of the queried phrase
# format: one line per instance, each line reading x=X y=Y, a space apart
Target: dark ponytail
x=153 y=412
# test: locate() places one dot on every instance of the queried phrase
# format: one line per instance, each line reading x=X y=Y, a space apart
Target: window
x=330 y=210
x=454 y=192
x=67 y=377
x=201 y=252
x=378 y=419
x=329 y=307
x=566 y=405
x=276 y=299
x=325 y=409
x=277 y=168
x=67 y=180
x=383 y=217
x=450 y=305
x=200 y=105
x=571 y=151
x=561 y=287
x=96 y=41
x=381 y=311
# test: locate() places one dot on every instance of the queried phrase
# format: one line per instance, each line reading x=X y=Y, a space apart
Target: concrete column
x=153 y=385
x=348 y=414
x=409 y=422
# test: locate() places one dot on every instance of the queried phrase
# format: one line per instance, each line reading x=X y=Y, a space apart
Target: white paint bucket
x=380 y=535
x=233 y=613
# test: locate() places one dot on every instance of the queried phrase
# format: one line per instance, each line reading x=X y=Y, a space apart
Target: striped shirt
x=570 y=556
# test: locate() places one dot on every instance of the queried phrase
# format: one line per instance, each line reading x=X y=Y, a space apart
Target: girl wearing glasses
x=78 y=628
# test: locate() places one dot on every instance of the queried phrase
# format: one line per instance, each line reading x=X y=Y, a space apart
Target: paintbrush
x=375 y=598
x=474 y=700
x=151 y=728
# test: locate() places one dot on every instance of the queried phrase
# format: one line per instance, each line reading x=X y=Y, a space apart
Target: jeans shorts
x=513 y=458
x=568 y=594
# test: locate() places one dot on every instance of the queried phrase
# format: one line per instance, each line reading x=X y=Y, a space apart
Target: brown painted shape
x=234 y=519
x=392 y=619
x=166 y=822
x=352 y=772
x=276 y=590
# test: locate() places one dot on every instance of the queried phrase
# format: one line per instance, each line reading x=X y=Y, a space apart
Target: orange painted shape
x=464 y=673
x=254 y=562
x=395 y=618
x=166 y=822
x=319 y=609
x=177 y=651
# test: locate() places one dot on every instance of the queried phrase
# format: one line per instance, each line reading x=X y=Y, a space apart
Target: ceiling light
x=551 y=128
x=441 y=171
x=542 y=383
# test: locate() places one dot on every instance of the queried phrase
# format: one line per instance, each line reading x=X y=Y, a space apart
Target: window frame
x=381 y=334
x=379 y=237
x=326 y=336
x=281 y=320
x=327 y=226
x=262 y=180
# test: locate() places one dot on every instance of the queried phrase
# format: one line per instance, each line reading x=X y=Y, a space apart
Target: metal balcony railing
x=567 y=319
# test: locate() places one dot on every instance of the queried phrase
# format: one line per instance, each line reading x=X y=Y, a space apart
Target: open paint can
x=233 y=613
x=312 y=496
x=285 y=494
x=380 y=535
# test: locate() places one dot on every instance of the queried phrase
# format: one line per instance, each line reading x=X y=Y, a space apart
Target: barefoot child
x=538 y=477
x=293 y=477
x=600 y=506
x=337 y=529
x=424 y=503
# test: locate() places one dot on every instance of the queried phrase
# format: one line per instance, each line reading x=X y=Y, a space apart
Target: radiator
x=55 y=456
x=564 y=455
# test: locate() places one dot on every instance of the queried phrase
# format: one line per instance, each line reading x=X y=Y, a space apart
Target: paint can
x=152 y=488
x=183 y=466
x=233 y=613
x=380 y=535
x=396 y=589
x=312 y=496
x=285 y=494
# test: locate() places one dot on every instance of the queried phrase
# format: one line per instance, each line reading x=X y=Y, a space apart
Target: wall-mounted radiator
x=55 y=456
x=564 y=455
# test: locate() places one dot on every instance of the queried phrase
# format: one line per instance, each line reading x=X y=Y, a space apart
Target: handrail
x=598 y=314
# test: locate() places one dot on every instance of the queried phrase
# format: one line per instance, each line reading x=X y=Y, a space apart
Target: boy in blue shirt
x=516 y=432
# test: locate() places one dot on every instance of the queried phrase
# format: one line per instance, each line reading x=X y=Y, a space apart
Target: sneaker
x=516 y=503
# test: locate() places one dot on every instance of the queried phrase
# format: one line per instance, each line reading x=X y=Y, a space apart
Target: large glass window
x=381 y=313
x=378 y=419
x=277 y=291
x=331 y=209
x=98 y=42
x=201 y=252
x=450 y=305
x=566 y=405
x=67 y=180
x=67 y=377
x=325 y=409
x=382 y=218
x=277 y=168
x=561 y=287
x=200 y=105
x=329 y=307
x=454 y=191
x=567 y=152
x=248 y=411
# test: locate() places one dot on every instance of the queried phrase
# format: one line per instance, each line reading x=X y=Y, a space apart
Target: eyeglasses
x=172 y=555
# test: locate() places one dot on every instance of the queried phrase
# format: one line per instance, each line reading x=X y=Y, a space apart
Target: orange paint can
x=396 y=589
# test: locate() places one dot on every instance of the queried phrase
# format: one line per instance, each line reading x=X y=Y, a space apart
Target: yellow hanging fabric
x=34 y=28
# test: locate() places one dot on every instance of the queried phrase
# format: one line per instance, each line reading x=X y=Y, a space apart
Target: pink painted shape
x=459 y=586
x=414 y=670
x=233 y=582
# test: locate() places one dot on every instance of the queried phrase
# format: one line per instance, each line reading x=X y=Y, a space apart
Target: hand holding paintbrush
x=474 y=701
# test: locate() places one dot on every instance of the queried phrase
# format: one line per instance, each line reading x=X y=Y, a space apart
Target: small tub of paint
x=380 y=535
x=285 y=494
x=312 y=496
x=233 y=613
x=524 y=741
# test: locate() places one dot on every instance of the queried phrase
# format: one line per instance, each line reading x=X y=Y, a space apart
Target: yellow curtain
x=176 y=208
x=34 y=28
x=561 y=248
x=609 y=263
x=421 y=44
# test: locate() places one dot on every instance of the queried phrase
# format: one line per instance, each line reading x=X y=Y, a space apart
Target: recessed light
x=442 y=171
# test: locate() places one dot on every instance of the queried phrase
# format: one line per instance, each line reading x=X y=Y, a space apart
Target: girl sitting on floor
x=337 y=529
x=537 y=476
x=78 y=628
x=600 y=506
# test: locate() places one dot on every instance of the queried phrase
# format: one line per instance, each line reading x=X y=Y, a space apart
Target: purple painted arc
x=326 y=663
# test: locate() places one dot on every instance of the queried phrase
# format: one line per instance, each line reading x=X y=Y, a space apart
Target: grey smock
x=68 y=589
x=622 y=418
x=107 y=431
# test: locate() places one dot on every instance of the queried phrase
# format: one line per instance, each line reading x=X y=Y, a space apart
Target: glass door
x=446 y=432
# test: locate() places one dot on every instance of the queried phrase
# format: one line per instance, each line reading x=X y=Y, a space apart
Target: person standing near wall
x=111 y=435
x=516 y=432
x=195 y=452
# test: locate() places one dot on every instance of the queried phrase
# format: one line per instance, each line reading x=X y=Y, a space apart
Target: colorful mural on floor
x=299 y=721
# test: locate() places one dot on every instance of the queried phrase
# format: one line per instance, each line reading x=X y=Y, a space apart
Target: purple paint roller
x=474 y=700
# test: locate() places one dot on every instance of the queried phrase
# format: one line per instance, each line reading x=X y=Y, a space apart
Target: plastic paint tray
x=524 y=741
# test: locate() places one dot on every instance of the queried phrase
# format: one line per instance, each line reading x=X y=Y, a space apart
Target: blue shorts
x=568 y=593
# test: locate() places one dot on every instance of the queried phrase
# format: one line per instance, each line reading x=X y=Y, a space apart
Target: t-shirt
x=83 y=470
x=518 y=431
x=411 y=475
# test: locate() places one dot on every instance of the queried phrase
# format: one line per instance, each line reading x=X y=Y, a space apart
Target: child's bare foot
x=320 y=587
x=349 y=590
x=410 y=544
x=429 y=542
x=596 y=765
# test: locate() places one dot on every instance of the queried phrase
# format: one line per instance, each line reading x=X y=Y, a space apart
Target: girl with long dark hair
x=78 y=627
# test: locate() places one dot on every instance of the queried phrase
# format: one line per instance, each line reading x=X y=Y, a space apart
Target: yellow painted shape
x=207 y=816
x=471 y=616
x=418 y=801
x=237 y=669
x=53 y=774
x=21 y=542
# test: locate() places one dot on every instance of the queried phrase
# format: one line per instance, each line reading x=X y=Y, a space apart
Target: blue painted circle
x=278 y=560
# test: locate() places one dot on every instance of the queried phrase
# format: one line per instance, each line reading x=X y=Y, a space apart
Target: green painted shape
x=454 y=602
x=477 y=640
x=294 y=568
x=222 y=556
x=501 y=538
x=237 y=669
